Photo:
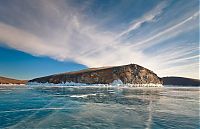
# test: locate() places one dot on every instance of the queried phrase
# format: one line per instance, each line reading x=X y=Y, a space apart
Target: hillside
x=126 y=74
x=180 y=81
x=5 y=80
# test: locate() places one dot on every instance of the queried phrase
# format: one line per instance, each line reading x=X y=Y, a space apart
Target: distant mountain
x=126 y=74
x=180 y=81
x=5 y=80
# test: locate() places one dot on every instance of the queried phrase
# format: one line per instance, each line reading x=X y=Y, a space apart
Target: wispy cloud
x=64 y=32
x=148 y=17
x=169 y=32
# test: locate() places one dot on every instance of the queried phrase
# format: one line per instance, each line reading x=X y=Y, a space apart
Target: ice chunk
x=117 y=82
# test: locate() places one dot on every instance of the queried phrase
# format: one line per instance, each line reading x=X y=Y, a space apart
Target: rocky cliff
x=126 y=74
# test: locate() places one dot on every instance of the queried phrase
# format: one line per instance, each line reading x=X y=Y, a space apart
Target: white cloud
x=169 y=32
x=63 y=33
x=148 y=17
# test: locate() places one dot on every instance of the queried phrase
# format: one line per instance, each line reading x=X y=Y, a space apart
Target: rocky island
x=131 y=74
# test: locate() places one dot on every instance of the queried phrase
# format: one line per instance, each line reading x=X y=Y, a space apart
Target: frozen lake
x=99 y=107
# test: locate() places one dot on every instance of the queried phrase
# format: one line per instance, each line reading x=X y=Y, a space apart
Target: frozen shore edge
x=92 y=85
x=10 y=84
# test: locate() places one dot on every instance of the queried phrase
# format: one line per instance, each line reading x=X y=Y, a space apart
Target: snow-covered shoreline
x=10 y=84
x=72 y=84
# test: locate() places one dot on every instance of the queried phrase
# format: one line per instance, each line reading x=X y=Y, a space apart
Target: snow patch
x=59 y=84
x=11 y=84
x=144 y=85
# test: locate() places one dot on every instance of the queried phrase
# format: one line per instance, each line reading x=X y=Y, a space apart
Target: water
x=99 y=108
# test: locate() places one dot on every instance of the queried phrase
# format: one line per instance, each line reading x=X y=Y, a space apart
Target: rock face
x=127 y=74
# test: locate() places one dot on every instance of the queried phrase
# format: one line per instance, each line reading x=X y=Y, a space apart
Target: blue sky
x=43 y=37
x=17 y=64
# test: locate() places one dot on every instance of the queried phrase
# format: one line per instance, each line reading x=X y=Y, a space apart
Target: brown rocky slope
x=128 y=74
x=5 y=80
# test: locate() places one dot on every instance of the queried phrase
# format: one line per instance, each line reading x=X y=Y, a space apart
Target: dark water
x=99 y=108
